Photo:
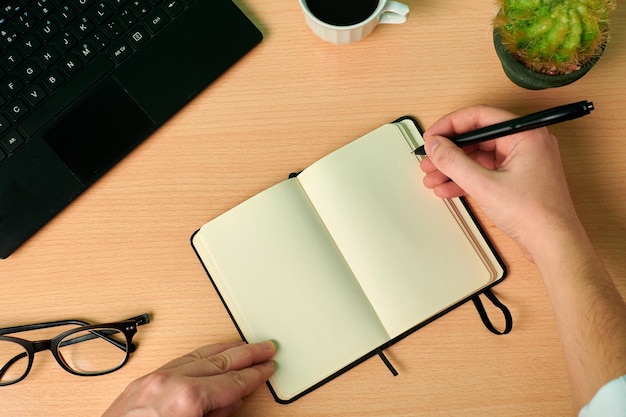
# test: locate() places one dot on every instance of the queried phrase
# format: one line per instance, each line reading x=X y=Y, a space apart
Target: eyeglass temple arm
x=139 y=320
x=104 y=334
x=28 y=327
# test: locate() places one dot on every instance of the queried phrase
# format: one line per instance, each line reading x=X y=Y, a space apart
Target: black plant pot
x=526 y=78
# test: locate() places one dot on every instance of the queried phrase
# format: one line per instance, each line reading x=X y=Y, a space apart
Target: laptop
x=83 y=82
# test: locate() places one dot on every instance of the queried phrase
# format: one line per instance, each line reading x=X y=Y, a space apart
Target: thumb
x=453 y=162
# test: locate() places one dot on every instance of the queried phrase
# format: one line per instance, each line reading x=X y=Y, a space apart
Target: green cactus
x=553 y=36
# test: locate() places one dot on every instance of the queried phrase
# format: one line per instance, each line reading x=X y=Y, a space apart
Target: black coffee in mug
x=342 y=12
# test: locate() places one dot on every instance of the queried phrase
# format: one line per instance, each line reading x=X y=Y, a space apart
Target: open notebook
x=345 y=258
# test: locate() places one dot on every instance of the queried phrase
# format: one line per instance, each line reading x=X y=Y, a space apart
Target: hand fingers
x=427 y=166
x=448 y=189
x=467 y=119
x=453 y=163
x=231 y=359
x=434 y=179
x=202 y=352
x=203 y=385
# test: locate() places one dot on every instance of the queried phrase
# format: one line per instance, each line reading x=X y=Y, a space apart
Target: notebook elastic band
x=485 y=317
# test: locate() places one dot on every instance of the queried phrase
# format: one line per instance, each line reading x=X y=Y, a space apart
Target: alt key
x=11 y=141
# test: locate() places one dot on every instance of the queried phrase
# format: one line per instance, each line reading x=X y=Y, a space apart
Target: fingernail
x=270 y=345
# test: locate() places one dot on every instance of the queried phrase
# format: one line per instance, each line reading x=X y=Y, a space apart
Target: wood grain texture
x=123 y=247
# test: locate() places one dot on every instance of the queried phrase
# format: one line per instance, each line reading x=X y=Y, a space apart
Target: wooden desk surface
x=123 y=247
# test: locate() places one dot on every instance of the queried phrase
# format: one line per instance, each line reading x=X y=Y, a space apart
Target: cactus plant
x=553 y=37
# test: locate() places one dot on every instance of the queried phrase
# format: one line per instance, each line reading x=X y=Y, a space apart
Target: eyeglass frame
x=127 y=327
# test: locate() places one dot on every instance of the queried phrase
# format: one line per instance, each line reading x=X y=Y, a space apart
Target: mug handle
x=394 y=13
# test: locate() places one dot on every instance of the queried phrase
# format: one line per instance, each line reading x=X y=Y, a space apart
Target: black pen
x=521 y=124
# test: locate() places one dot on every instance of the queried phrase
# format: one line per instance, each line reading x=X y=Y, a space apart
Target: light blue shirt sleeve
x=609 y=401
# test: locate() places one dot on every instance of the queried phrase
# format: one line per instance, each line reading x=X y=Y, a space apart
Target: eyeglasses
x=88 y=350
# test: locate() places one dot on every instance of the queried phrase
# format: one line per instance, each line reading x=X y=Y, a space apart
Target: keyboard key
x=12 y=9
x=25 y=22
x=16 y=110
x=86 y=52
x=156 y=20
x=11 y=85
x=30 y=45
x=48 y=30
x=173 y=7
x=64 y=42
x=29 y=71
x=53 y=80
x=84 y=27
x=8 y=36
x=12 y=59
x=127 y=18
x=138 y=36
x=70 y=64
x=48 y=56
x=113 y=29
x=11 y=141
x=120 y=51
x=99 y=40
x=2 y=156
x=64 y=15
x=139 y=7
x=101 y=12
x=41 y=8
x=34 y=94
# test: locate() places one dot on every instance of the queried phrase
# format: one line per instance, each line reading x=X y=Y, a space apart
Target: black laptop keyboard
x=51 y=51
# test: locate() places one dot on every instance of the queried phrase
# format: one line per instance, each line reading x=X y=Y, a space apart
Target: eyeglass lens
x=13 y=361
x=95 y=351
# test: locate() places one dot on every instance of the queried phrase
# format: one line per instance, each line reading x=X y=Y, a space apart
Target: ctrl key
x=11 y=141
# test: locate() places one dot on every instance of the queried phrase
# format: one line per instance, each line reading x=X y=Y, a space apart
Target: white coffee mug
x=387 y=12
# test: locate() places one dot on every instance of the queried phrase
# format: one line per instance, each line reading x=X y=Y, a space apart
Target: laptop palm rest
x=99 y=131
